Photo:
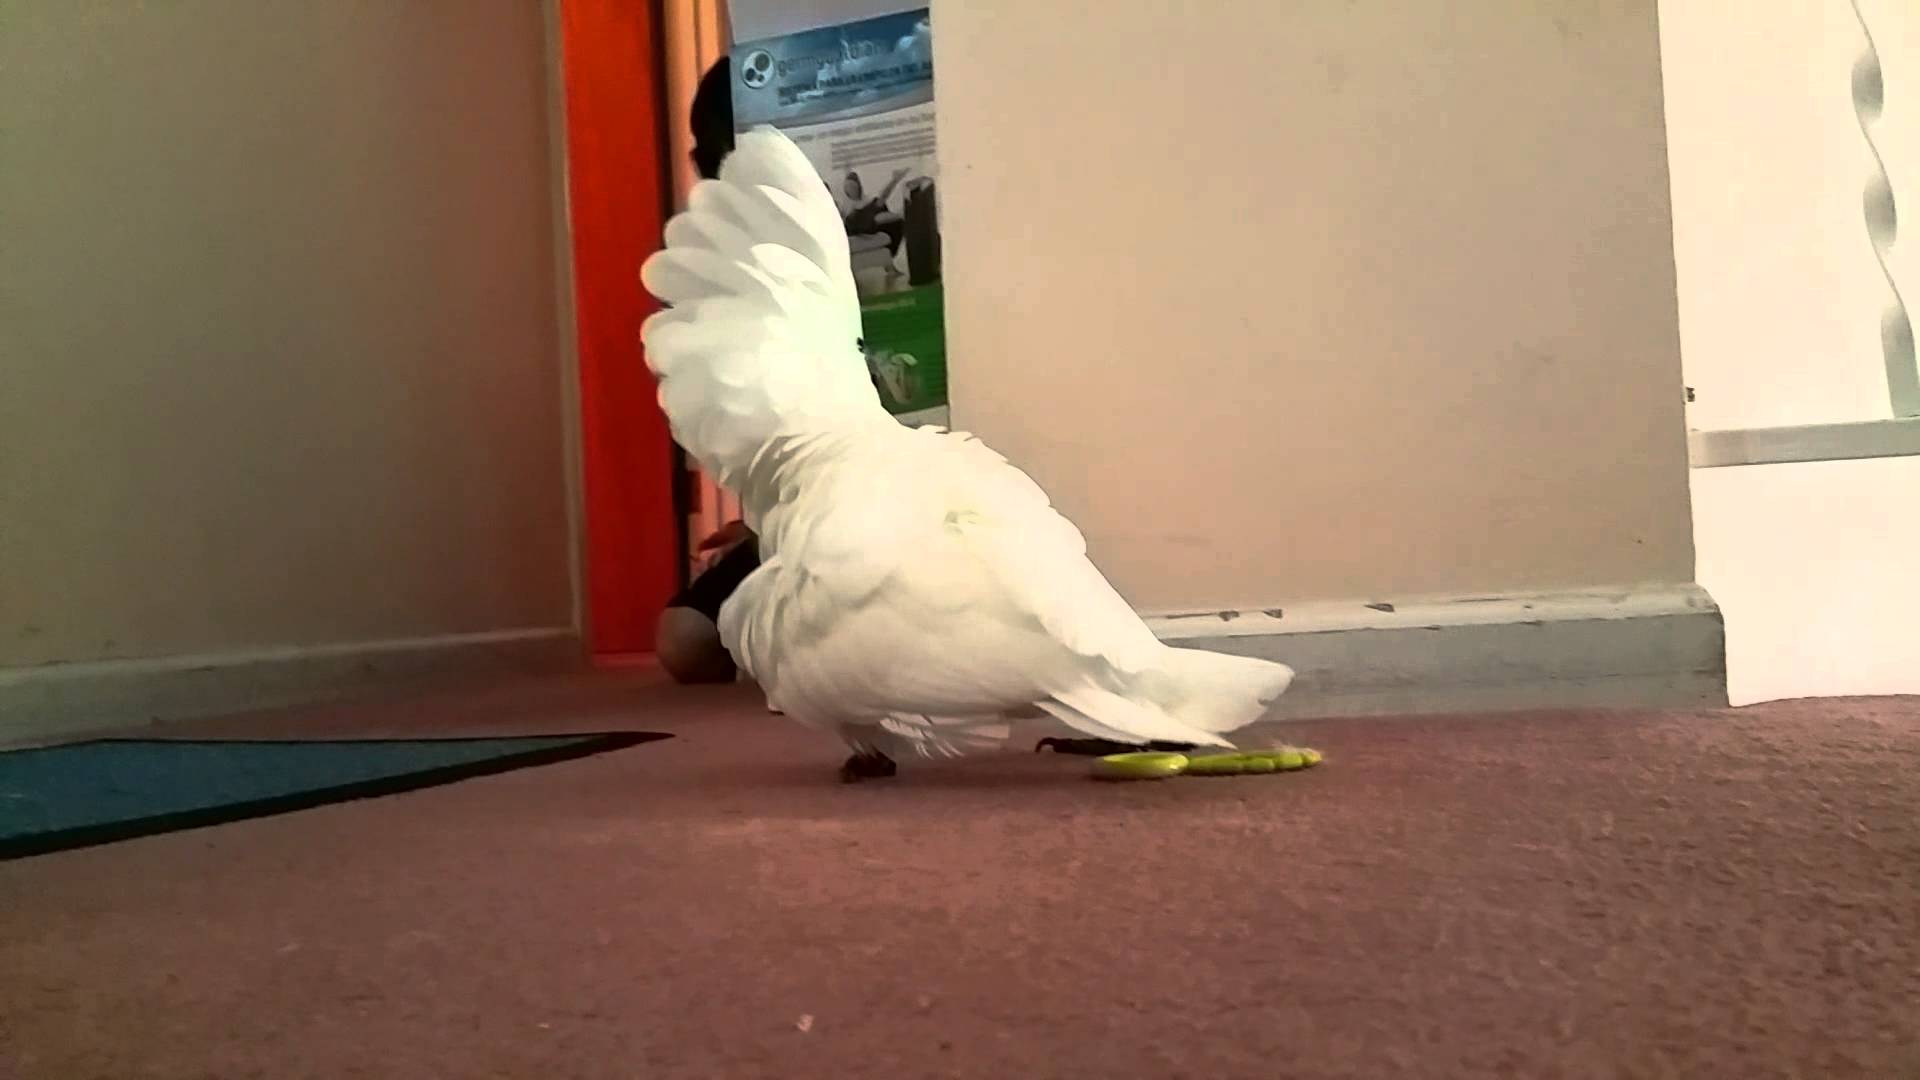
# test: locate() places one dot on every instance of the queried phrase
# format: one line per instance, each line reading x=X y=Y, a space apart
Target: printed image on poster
x=858 y=101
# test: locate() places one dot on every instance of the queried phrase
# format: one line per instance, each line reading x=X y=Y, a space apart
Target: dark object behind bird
x=923 y=234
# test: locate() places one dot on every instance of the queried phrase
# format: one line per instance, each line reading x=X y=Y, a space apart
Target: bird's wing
x=1038 y=559
x=761 y=335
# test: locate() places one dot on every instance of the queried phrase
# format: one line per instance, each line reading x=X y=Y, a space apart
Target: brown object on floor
x=690 y=649
x=1705 y=895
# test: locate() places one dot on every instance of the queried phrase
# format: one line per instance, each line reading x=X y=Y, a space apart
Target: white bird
x=916 y=591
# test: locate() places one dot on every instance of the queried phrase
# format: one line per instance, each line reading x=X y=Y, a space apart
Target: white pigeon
x=916 y=591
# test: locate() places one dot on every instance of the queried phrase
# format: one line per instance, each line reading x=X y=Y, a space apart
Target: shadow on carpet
x=57 y=798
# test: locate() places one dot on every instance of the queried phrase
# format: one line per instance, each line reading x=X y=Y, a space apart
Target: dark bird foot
x=866 y=767
x=1103 y=747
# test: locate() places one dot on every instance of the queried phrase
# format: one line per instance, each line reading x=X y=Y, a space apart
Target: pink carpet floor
x=1662 y=895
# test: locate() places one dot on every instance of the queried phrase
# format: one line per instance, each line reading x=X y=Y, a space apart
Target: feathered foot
x=867 y=766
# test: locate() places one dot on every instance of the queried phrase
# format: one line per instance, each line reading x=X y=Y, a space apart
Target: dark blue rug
x=59 y=797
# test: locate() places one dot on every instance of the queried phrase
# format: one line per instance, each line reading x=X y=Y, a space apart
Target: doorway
x=618 y=193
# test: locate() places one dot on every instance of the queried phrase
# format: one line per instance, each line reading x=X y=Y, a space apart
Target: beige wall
x=1340 y=298
x=280 y=355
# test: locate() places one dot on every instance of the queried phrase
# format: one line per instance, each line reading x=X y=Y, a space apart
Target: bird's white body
x=916 y=591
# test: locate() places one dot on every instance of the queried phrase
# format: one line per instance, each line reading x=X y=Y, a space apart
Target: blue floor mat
x=59 y=797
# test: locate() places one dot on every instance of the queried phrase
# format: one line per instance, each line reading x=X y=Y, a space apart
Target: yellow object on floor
x=1160 y=766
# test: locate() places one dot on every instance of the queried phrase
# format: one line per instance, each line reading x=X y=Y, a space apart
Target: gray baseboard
x=61 y=700
x=1657 y=646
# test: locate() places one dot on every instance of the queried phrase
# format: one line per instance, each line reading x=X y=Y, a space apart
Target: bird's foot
x=866 y=767
x=1103 y=747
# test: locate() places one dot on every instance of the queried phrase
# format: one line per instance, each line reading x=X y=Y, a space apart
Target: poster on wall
x=858 y=101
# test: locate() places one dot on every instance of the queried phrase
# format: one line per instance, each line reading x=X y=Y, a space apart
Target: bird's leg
x=867 y=762
x=866 y=765
x=1103 y=747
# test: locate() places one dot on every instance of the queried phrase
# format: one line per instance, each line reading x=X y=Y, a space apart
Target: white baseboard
x=59 y=700
x=1649 y=646
x=1653 y=646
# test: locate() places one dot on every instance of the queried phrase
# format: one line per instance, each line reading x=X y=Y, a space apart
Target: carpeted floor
x=1709 y=895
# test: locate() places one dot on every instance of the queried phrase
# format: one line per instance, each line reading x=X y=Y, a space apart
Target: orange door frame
x=619 y=190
